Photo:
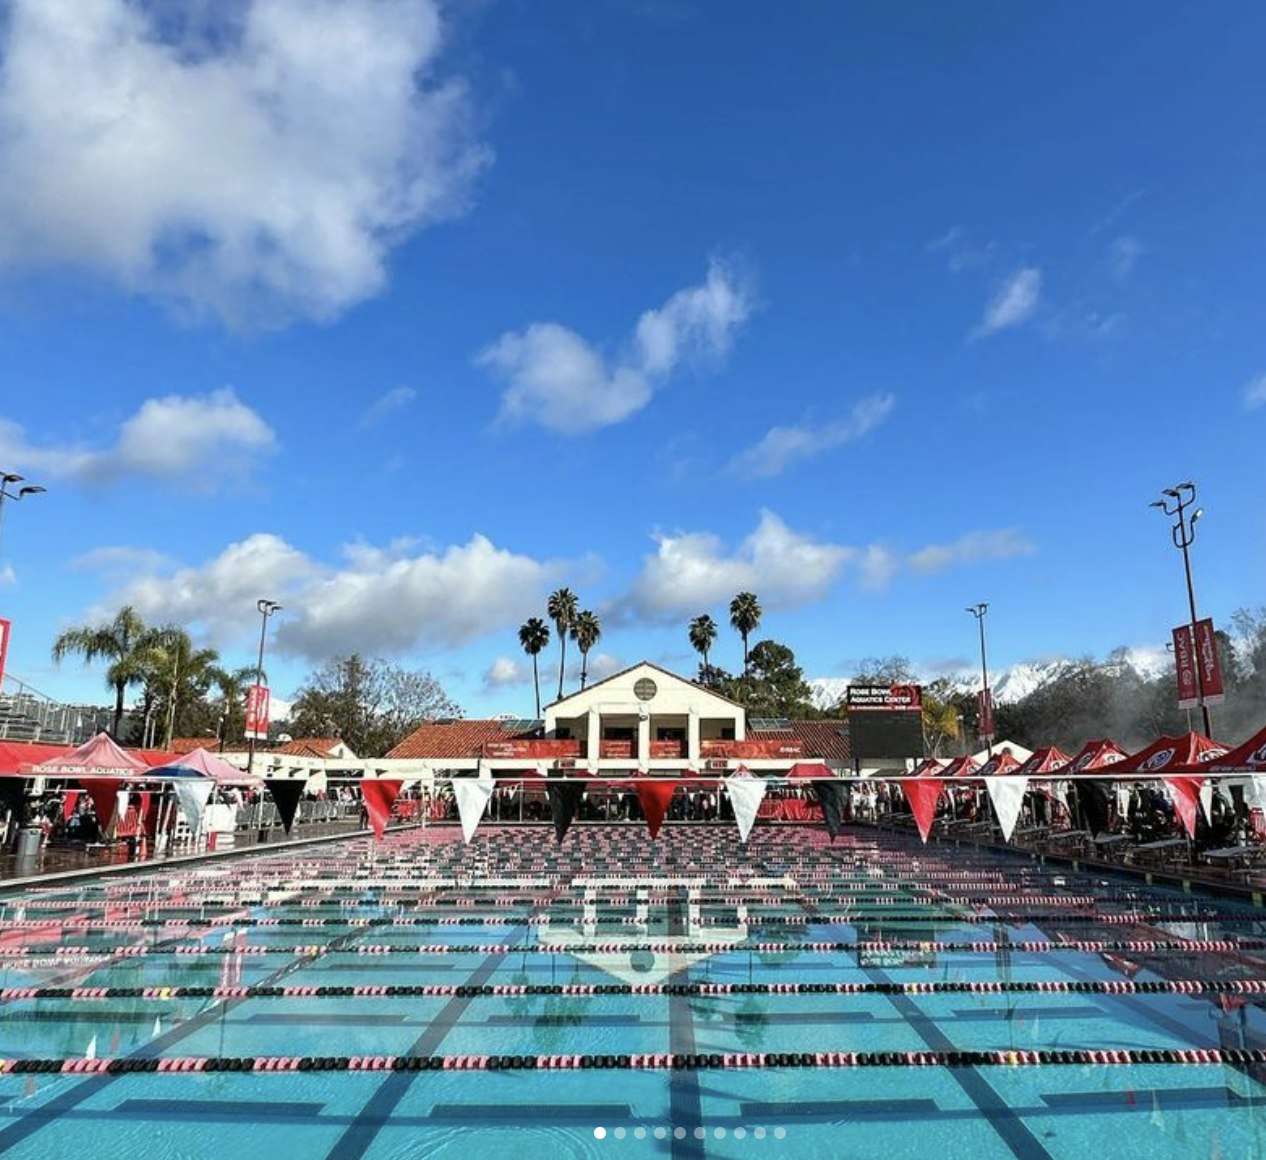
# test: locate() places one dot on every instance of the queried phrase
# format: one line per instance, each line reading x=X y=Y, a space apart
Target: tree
x=586 y=632
x=942 y=716
x=117 y=642
x=745 y=614
x=177 y=677
x=370 y=705
x=775 y=684
x=232 y=685
x=703 y=635
x=534 y=636
x=562 y=611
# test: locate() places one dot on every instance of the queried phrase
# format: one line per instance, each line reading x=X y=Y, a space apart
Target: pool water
x=425 y=998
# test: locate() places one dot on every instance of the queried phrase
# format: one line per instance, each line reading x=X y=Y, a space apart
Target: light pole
x=266 y=609
x=978 y=611
x=7 y=478
x=1174 y=502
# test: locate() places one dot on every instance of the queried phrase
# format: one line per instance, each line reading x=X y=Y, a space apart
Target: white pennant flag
x=1007 y=794
x=1206 y=800
x=193 y=795
x=746 y=794
x=1255 y=792
x=472 y=796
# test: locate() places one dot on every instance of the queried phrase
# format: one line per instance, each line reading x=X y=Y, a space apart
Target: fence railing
x=26 y=714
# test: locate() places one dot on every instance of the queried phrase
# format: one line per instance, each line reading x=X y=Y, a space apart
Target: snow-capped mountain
x=1009 y=684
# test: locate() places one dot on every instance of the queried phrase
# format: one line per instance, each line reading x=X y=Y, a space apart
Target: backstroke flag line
x=472 y=796
x=1185 y=794
x=1007 y=795
x=831 y=796
x=746 y=794
x=286 y=794
x=923 y=794
x=654 y=794
x=379 y=795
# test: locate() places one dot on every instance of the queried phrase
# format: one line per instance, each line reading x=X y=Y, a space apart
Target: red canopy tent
x=1093 y=757
x=1043 y=760
x=1188 y=753
x=1001 y=762
x=964 y=766
x=1250 y=757
x=930 y=767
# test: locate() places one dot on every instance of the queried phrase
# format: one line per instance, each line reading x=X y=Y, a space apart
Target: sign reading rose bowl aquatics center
x=885 y=721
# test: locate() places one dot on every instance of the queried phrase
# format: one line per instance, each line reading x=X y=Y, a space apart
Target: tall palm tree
x=121 y=642
x=232 y=685
x=745 y=613
x=585 y=632
x=179 y=673
x=703 y=635
x=534 y=636
x=562 y=611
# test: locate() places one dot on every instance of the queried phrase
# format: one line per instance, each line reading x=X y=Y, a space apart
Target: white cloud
x=176 y=437
x=961 y=253
x=1255 y=393
x=388 y=404
x=973 y=548
x=506 y=672
x=1014 y=301
x=8 y=577
x=690 y=571
x=254 y=160
x=555 y=378
x=1123 y=254
x=782 y=446
x=381 y=601
x=876 y=566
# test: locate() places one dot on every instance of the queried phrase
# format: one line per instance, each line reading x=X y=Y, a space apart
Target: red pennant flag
x=103 y=791
x=70 y=799
x=146 y=795
x=655 y=794
x=1186 y=794
x=379 y=796
x=923 y=796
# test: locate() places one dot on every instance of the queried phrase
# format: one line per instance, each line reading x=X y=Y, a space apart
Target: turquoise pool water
x=612 y=946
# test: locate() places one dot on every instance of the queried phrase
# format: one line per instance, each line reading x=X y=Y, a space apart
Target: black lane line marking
x=375 y=1113
x=1002 y=1118
x=684 y=1101
x=37 y=1118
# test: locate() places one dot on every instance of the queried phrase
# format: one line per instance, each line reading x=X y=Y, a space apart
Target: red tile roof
x=308 y=747
x=462 y=738
x=182 y=745
x=828 y=740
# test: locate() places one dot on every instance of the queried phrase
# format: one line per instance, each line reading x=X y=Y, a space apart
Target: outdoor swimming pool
x=614 y=996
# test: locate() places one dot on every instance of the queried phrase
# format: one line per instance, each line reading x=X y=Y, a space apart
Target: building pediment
x=644 y=688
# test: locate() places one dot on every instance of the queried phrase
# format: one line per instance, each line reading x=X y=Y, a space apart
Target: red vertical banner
x=4 y=646
x=1185 y=667
x=984 y=710
x=257 y=712
x=1210 y=666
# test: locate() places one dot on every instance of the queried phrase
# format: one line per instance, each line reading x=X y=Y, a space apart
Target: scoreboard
x=885 y=721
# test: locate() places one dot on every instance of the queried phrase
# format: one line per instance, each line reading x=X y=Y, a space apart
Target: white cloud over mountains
x=170 y=438
x=381 y=601
x=254 y=160
x=973 y=548
x=558 y=380
x=781 y=447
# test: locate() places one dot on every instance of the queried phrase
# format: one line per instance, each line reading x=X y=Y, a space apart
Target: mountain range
x=1009 y=684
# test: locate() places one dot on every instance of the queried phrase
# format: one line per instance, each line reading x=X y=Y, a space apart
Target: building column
x=694 y=748
x=644 y=741
x=593 y=743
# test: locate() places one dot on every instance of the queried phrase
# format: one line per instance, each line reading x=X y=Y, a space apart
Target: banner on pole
x=984 y=709
x=1210 y=666
x=257 y=698
x=1185 y=667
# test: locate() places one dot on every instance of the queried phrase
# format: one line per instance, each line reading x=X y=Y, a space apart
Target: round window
x=645 y=689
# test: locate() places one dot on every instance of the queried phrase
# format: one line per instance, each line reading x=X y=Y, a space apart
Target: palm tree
x=703 y=635
x=534 y=636
x=745 y=619
x=121 y=642
x=232 y=684
x=562 y=611
x=178 y=674
x=585 y=632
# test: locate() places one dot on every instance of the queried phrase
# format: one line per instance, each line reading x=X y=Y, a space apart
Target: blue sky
x=405 y=315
